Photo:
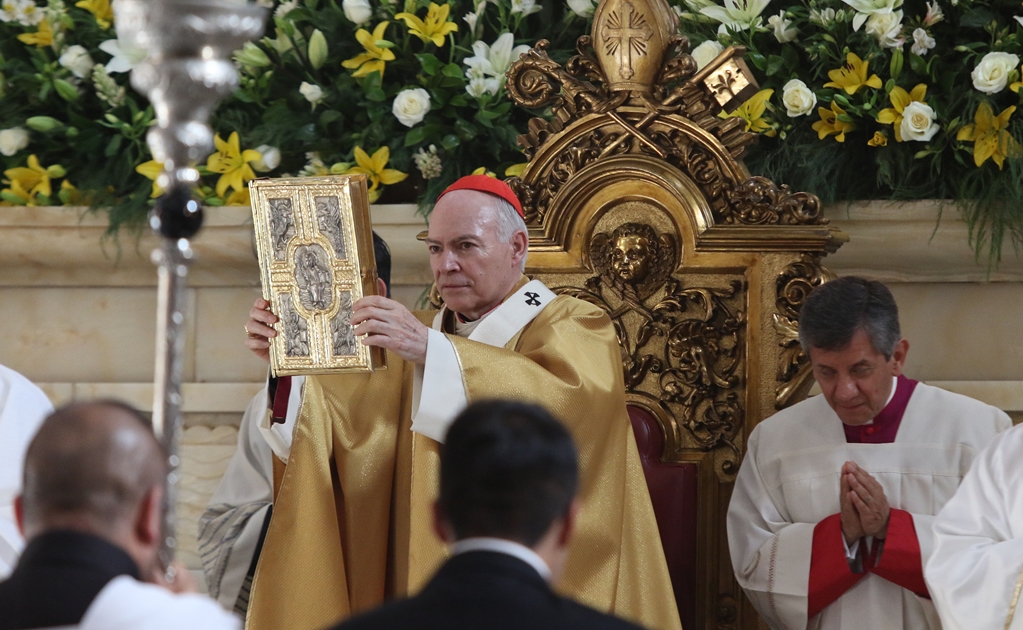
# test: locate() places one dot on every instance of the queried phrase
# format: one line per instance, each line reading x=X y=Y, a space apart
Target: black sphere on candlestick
x=177 y=214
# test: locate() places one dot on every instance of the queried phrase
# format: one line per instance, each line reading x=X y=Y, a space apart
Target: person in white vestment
x=976 y=571
x=829 y=525
x=91 y=511
x=22 y=409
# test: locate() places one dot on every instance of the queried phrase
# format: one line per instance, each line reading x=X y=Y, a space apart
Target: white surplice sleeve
x=231 y=526
x=770 y=554
x=279 y=434
x=23 y=407
x=977 y=560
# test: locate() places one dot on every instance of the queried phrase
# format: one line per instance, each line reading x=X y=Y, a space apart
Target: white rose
x=918 y=122
x=358 y=11
x=887 y=28
x=312 y=92
x=77 y=60
x=270 y=158
x=992 y=73
x=582 y=8
x=13 y=140
x=783 y=30
x=797 y=98
x=706 y=52
x=411 y=106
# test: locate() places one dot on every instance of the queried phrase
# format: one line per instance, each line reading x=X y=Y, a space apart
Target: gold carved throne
x=637 y=201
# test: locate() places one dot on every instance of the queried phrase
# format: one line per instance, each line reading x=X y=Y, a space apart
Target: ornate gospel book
x=315 y=247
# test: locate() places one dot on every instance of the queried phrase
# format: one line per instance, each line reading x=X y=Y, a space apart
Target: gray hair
x=835 y=310
x=509 y=222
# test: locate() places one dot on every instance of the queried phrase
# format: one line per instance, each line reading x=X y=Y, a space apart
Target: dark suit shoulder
x=486 y=590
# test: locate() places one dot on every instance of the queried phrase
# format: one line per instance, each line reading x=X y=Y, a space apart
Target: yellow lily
x=375 y=57
x=375 y=169
x=879 y=140
x=516 y=170
x=100 y=9
x=483 y=171
x=69 y=195
x=900 y=100
x=435 y=28
x=21 y=196
x=829 y=123
x=238 y=198
x=34 y=179
x=41 y=38
x=1018 y=84
x=232 y=163
x=752 y=111
x=990 y=136
x=853 y=75
x=151 y=170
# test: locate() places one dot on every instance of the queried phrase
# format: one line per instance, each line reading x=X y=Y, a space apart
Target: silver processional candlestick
x=186 y=72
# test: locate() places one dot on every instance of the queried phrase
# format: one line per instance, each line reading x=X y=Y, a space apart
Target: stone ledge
x=57 y=246
x=905 y=242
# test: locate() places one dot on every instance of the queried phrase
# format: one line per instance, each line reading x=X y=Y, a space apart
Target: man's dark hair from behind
x=508 y=470
x=835 y=310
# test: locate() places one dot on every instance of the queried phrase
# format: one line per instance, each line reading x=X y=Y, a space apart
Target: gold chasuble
x=352 y=519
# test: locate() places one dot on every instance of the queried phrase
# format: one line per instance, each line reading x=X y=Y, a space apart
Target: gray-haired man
x=830 y=522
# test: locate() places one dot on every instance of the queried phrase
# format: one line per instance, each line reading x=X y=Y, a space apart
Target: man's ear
x=148 y=517
x=381 y=287
x=441 y=526
x=19 y=514
x=569 y=521
x=520 y=247
x=899 y=356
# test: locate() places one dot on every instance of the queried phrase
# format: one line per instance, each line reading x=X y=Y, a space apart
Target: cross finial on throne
x=626 y=35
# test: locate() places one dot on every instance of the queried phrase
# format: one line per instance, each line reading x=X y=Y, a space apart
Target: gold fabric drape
x=352 y=520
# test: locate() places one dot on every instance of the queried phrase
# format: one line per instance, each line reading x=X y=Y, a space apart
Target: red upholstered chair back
x=673 y=490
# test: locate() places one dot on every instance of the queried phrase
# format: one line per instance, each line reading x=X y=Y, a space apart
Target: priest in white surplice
x=830 y=522
x=976 y=571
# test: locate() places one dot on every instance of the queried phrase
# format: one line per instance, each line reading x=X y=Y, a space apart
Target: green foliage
x=905 y=44
x=296 y=100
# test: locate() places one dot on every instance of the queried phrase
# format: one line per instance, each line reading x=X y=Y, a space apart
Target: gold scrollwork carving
x=681 y=344
x=794 y=284
x=759 y=201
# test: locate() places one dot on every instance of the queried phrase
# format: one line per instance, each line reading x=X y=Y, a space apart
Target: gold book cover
x=314 y=241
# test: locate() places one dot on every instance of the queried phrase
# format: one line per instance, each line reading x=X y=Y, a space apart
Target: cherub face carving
x=631 y=258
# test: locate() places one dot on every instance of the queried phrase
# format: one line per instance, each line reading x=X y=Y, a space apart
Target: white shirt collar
x=891 y=394
x=507 y=547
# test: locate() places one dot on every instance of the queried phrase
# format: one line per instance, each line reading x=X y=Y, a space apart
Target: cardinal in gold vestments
x=351 y=522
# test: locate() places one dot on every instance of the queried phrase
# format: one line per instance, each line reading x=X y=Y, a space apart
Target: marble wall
x=79 y=313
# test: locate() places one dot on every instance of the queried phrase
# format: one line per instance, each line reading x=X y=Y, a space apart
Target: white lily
x=865 y=8
x=500 y=54
x=124 y=59
x=737 y=14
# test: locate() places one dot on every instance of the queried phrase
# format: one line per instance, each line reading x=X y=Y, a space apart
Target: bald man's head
x=90 y=465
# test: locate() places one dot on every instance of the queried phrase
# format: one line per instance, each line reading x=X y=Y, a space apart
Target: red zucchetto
x=487 y=184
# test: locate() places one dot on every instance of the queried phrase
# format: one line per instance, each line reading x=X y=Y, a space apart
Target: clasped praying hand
x=865 y=508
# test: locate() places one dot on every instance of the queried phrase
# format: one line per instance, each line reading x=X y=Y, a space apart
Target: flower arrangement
x=860 y=99
x=408 y=92
x=892 y=99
